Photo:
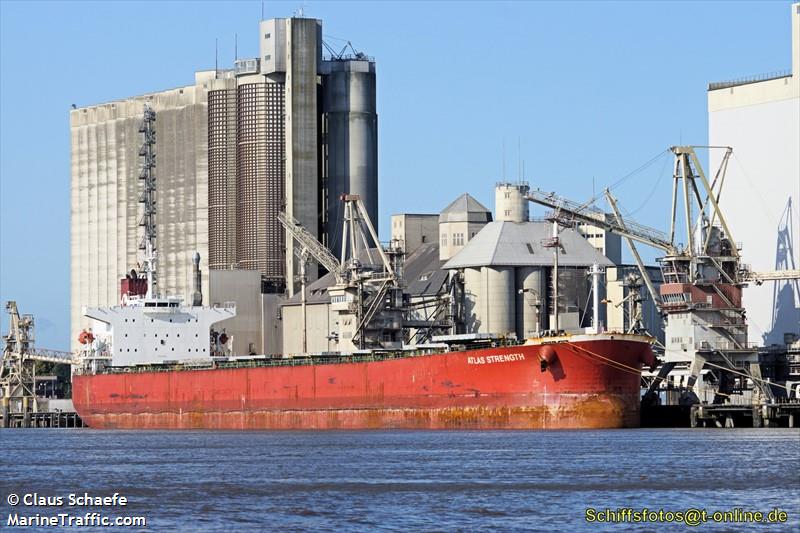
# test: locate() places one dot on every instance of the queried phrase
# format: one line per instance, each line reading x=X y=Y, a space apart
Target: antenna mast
x=148 y=197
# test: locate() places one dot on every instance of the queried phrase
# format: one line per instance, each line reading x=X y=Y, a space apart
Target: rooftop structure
x=459 y=222
x=510 y=203
x=411 y=230
x=522 y=244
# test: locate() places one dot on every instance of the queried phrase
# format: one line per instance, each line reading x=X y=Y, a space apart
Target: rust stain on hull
x=595 y=412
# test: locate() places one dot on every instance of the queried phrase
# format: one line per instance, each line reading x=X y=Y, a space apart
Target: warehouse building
x=759 y=117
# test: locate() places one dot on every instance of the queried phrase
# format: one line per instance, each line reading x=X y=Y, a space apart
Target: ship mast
x=596 y=272
x=555 y=244
x=147 y=174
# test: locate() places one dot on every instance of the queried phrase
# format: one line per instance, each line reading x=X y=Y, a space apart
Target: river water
x=404 y=480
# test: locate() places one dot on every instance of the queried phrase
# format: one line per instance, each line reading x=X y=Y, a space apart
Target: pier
x=55 y=419
x=780 y=414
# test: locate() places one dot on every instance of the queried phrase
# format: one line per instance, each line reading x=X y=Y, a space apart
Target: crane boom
x=596 y=217
x=310 y=243
x=365 y=217
x=639 y=263
x=52 y=356
x=776 y=275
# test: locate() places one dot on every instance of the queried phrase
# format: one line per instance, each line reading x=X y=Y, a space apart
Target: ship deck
x=259 y=361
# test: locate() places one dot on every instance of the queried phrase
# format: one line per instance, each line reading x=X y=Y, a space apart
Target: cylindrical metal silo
x=472 y=300
x=499 y=294
x=349 y=105
x=530 y=302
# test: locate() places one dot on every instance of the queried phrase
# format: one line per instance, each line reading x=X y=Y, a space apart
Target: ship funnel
x=197 y=295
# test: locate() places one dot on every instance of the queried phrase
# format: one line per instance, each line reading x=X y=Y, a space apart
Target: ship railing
x=726 y=345
x=197 y=363
x=722 y=321
x=300 y=360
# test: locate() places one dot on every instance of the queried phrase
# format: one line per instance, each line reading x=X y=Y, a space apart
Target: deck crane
x=701 y=297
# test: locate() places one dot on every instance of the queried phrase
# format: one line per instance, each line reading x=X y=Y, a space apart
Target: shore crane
x=701 y=297
x=17 y=368
x=369 y=302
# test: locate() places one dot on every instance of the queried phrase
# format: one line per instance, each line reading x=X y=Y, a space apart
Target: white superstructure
x=156 y=330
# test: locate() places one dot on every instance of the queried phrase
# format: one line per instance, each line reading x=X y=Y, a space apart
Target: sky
x=582 y=92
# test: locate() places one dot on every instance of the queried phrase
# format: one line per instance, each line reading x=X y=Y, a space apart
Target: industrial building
x=499 y=281
x=508 y=275
x=412 y=230
x=624 y=300
x=286 y=131
x=609 y=244
x=105 y=193
x=419 y=237
x=760 y=118
x=292 y=132
x=507 y=272
x=459 y=222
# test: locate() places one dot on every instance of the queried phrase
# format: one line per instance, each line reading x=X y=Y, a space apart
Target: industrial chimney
x=197 y=295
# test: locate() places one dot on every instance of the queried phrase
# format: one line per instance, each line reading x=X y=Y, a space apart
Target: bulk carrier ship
x=152 y=362
x=565 y=381
x=155 y=363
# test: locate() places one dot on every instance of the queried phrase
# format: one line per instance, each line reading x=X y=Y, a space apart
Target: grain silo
x=350 y=133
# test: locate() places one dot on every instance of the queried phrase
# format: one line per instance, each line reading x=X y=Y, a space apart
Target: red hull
x=589 y=384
